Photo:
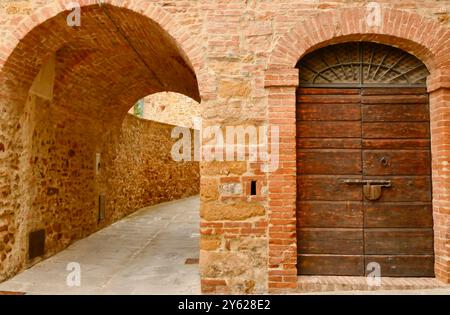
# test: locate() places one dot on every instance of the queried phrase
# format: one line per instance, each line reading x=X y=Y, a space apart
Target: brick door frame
x=427 y=40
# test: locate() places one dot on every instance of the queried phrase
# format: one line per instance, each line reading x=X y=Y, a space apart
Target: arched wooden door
x=364 y=162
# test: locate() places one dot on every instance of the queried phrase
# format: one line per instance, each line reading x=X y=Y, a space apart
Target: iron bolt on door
x=372 y=188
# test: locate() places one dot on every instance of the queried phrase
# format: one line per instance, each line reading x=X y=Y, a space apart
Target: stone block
x=233 y=211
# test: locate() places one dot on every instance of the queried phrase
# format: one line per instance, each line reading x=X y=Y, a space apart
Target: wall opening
x=168 y=108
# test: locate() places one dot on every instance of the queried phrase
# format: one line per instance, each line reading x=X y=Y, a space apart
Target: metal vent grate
x=36 y=244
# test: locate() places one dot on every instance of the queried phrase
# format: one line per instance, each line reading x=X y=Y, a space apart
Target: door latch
x=371 y=187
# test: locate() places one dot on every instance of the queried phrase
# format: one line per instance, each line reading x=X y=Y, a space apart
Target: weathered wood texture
x=362 y=134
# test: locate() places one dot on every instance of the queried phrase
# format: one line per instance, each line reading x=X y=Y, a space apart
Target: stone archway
x=121 y=52
x=424 y=39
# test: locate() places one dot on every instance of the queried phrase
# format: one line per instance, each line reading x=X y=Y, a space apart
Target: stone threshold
x=309 y=284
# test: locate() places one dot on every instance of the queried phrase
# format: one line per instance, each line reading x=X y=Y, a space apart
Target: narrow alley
x=144 y=253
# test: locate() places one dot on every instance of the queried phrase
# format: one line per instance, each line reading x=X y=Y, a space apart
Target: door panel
x=329 y=129
x=333 y=112
x=395 y=91
x=330 y=218
x=343 y=214
x=333 y=265
x=396 y=162
x=397 y=241
x=346 y=241
x=398 y=230
x=397 y=215
x=331 y=143
x=406 y=188
x=328 y=188
x=403 y=144
x=396 y=130
x=323 y=97
x=400 y=112
x=329 y=161
x=403 y=266
x=387 y=97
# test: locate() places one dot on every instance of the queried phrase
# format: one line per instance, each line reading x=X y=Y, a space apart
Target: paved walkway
x=144 y=253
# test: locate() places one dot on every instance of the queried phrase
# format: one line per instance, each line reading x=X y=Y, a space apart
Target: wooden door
x=363 y=134
x=363 y=115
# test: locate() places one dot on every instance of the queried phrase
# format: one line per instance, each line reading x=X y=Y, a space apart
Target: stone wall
x=139 y=171
x=229 y=45
x=136 y=170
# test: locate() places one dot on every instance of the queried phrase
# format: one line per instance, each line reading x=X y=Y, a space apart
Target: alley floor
x=145 y=253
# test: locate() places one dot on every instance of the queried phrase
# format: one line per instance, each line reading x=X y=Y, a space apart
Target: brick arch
x=108 y=93
x=188 y=44
x=428 y=41
x=411 y=32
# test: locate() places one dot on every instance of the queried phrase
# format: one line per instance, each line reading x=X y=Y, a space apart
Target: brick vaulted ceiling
x=114 y=58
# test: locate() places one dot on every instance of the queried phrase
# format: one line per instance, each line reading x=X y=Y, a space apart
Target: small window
x=253 y=188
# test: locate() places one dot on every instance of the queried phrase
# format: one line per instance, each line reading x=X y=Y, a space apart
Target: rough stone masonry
x=236 y=57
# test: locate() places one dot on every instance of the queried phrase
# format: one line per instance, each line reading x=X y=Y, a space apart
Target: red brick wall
x=282 y=183
x=440 y=137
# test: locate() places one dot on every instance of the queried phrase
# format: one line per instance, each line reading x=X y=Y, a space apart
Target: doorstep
x=353 y=283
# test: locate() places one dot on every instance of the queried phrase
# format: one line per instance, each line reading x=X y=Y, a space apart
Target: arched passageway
x=65 y=93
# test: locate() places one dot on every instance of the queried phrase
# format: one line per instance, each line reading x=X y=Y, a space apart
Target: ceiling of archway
x=114 y=58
